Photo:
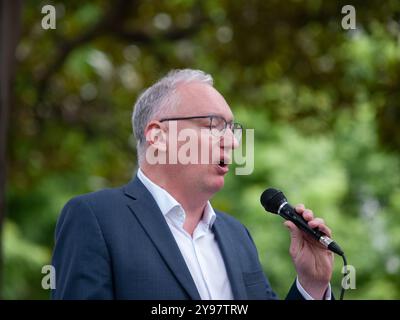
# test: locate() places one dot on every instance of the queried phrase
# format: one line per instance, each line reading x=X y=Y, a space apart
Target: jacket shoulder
x=229 y=220
x=97 y=204
x=102 y=195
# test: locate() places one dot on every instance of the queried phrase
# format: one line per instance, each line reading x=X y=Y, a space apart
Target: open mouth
x=222 y=164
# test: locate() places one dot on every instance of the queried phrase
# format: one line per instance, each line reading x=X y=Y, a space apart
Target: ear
x=156 y=136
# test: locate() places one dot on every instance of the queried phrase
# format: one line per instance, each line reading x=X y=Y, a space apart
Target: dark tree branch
x=10 y=15
x=110 y=24
x=117 y=13
x=140 y=37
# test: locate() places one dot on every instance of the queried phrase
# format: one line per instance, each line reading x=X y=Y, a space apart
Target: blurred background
x=324 y=103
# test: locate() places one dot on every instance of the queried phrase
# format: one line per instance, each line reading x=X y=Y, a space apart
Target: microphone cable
x=344 y=276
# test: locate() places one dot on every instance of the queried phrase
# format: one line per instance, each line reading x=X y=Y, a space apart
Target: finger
x=308 y=215
x=315 y=222
x=321 y=226
x=290 y=225
x=295 y=232
x=299 y=208
x=325 y=230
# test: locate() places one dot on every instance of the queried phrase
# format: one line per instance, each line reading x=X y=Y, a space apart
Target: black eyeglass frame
x=233 y=125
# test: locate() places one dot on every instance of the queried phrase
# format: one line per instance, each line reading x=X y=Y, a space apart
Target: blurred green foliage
x=324 y=103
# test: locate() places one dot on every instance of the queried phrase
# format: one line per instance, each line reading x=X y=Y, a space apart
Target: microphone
x=275 y=201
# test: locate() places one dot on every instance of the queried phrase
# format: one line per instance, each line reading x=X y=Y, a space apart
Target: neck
x=192 y=201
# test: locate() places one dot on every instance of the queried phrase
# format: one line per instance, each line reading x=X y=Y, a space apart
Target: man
x=158 y=237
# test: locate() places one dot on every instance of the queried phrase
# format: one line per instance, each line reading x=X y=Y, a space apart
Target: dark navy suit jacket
x=116 y=244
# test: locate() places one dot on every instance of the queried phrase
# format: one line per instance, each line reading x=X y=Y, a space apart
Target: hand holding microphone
x=275 y=201
x=310 y=239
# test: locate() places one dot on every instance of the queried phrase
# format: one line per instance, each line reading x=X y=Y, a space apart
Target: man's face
x=207 y=175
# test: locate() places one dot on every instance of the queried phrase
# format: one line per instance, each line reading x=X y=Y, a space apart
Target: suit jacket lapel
x=150 y=217
x=231 y=259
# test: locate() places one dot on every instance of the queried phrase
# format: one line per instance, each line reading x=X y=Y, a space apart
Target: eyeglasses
x=217 y=125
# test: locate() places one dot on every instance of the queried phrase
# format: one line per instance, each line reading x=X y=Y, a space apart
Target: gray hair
x=159 y=98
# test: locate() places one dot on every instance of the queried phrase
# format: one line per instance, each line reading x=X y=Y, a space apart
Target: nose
x=228 y=139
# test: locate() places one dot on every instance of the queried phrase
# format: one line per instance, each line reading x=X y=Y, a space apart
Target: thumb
x=294 y=231
x=296 y=237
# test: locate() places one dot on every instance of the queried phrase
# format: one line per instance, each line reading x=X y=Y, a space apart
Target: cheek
x=211 y=146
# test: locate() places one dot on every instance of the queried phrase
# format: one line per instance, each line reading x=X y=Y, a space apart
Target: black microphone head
x=271 y=199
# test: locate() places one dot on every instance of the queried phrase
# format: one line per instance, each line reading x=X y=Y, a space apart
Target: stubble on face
x=200 y=99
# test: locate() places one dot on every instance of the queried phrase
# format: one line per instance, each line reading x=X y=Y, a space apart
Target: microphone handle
x=288 y=212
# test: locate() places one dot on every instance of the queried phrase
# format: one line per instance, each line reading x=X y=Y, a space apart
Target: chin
x=217 y=184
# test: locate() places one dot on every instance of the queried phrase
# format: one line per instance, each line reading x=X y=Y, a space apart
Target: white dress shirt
x=200 y=252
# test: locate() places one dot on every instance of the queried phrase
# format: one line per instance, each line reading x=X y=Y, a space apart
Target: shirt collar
x=209 y=215
x=166 y=202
